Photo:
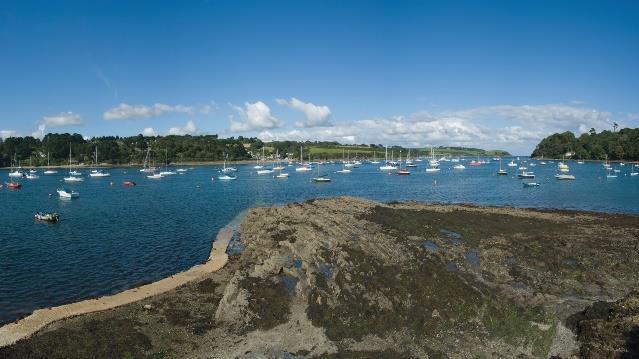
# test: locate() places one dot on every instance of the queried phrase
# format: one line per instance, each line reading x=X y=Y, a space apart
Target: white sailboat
x=258 y=166
x=320 y=178
x=146 y=167
x=388 y=166
x=344 y=169
x=166 y=171
x=633 y=171
x=501 y=172
x=433 y=164
x=375 y=161
x=17 y=172
x=73 y=175
x=96 y=173
x=303 y=167
x=262 y=170
x=49 y=171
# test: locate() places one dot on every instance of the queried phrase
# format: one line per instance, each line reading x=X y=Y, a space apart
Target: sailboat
x=375 y=161
x=146 y=167
x=320 y=178
x=166 y=171
x=388 y=165
x=227 y=169
x=279 y=166
x=49 y=171
x=303 y=167
x=226 y=172
x=15 y=173
x=633 y=171
x=32 y=173
x=402 y=171
x=409 y=161
x=344 y=169
x=433 y=165
x=512 y=163
x=73 y=175
x=501 y=172
x=96 y=173
x=258 y=166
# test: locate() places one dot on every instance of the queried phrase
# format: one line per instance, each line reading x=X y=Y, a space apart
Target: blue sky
x=498 y=74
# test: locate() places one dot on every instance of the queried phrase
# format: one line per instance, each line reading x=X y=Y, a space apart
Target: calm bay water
x=113 y=238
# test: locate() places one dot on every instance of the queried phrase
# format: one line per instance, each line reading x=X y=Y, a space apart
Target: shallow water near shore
x=113 y=238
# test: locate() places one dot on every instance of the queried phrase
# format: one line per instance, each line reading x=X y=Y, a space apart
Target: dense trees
x=613 y=145
x=118 y=150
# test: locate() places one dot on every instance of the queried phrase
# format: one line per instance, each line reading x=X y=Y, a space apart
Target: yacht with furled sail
x=433 y=164
x=15 y=172
x=321 y=178
x=96 y=173
x=344 y=169
x=303 y=167
x=501 y=172
x=166 y=171
x=146 y=166
x=73 y=176
x=279 y=166
x=49 y=171
x=227 y=169
x=388 y=165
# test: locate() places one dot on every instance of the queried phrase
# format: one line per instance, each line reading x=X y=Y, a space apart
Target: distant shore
x=244 y=162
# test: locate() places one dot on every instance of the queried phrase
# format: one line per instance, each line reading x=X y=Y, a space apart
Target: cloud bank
x=255 y=116
x=515 y=128
x=125 y=111
x=314 y=115
x=188 y=129
x=60 y=120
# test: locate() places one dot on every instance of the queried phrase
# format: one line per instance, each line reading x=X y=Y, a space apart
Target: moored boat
x=46 y=217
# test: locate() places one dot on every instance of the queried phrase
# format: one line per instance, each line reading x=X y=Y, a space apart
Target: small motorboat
x=182 y=170
x=502 y=173
x=345 y=170
x=14 y=185
x=524 y=174
x=65 y=193
x=50 y=172
x=282 y=175
x=47 y=217
x=75 y=173
x=321 y=179
x=129 y=183
x=459 y=167
x=99 y=174
x=433 y=169
x=226 y=177
x=563 y=176
x=512 y=164
x=31 y=176
x=402 y=172
x=531 y=184
x=264 y=171
x=154 y=176
x=73 y=178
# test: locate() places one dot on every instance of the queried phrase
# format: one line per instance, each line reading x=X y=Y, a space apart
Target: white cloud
x=514 y=128
x=125 y=111
x=314 y=115
x=188 y=129
x=7 y=133
x=60 y=120
x=149 y=132
x=256 y=116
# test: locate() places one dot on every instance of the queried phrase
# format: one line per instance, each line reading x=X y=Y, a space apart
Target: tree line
x=116 y=150
x=611 y=145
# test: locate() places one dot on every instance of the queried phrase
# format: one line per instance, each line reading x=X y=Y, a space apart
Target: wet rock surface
x=350 y=278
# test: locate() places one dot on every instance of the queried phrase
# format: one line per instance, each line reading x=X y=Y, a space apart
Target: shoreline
x=40 y=318
x=241 y=162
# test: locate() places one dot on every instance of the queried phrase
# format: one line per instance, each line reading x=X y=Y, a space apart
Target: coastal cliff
x=352 y=278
